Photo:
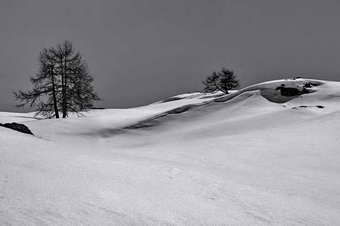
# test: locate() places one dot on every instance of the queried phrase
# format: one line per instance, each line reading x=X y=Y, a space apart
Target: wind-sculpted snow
x=195 y=159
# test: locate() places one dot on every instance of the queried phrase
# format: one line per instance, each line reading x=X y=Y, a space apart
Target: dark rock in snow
x=291 y=91
x=305 y=106
x=18 y=127
x=288 y=91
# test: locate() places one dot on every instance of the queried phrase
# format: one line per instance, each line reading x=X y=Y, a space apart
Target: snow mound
x=252 y=157
x=254 y=95
x=109 y=122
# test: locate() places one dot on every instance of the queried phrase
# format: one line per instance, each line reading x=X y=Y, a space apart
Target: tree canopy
x=223 y=80
x=62 y=85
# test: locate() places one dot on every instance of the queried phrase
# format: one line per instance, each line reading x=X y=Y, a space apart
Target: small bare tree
x=224 y=81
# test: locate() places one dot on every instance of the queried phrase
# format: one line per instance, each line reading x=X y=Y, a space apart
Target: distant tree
x=224 y=81
x=63 y=83
x=211 y=83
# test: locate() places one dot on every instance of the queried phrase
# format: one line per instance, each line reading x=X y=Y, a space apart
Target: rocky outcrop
x=18 y=127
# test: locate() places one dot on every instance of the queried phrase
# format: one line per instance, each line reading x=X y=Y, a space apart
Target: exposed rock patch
x=17 y=127
x=305 y=106
x=282 y=93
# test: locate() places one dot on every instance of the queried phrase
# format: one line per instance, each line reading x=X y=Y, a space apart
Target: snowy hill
x=252 y=157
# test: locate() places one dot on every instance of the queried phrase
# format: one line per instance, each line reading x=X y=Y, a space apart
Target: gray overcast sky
x=140 y=51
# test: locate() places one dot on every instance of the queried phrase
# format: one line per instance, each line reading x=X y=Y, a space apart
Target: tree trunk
x=54 y=95
x=64 y=85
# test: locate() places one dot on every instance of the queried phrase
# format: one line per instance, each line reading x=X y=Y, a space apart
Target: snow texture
x=194 y=159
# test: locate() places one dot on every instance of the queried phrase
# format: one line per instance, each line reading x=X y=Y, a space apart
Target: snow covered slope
x=253 y=157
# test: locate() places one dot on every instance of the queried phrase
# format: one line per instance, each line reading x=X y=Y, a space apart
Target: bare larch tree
x=63 y=83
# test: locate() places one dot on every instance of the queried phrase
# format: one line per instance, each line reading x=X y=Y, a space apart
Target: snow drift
x=252 y=157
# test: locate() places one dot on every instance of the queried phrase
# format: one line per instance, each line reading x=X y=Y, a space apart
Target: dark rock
x=288 y=91
x=305 y=106
x=308 y=85
x=18 y=127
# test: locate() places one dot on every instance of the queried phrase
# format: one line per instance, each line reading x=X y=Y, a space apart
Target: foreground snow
x=234 y=160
